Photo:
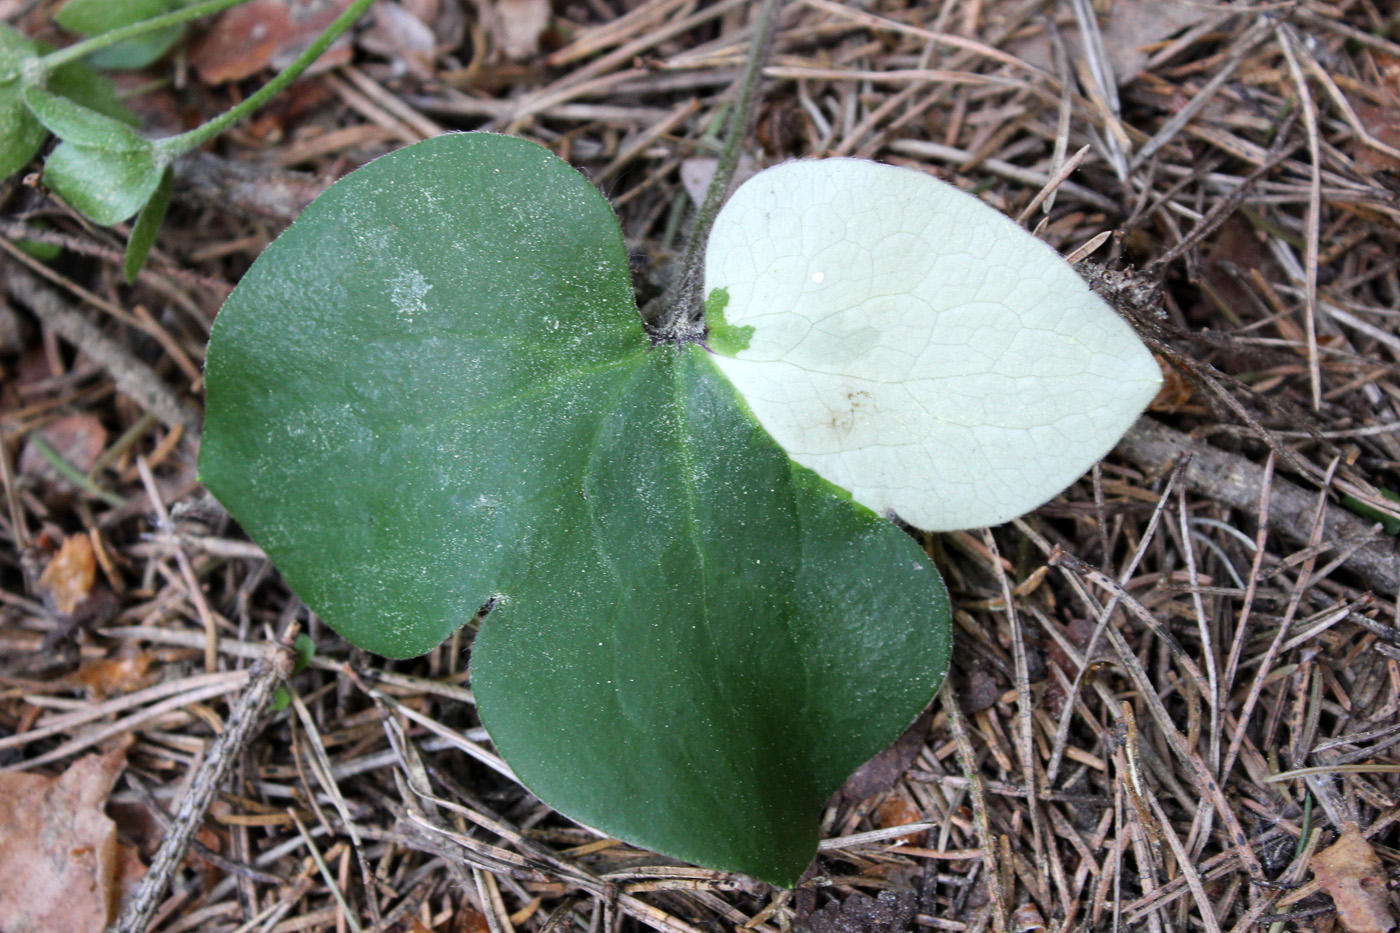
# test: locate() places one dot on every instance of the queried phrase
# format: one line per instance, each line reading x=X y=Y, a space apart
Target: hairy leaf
x=21 y=134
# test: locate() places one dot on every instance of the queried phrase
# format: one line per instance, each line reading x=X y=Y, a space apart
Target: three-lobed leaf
x=434 y=390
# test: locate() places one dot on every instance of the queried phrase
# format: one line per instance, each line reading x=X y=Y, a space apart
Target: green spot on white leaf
x=915 y=346
x=724 y=338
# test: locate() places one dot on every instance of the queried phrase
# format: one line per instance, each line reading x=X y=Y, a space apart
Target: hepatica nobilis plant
x=435 y=391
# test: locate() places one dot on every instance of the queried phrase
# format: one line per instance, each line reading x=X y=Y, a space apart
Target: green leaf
x=21 y=135
x=40 y=249
x=74 y=96
x=137 y=53
x=147 y=227
x=72 y=122
x=722 y=337
x=15 y=48
x=92 y=90
x=106 y=187
x=93 y=17
x=305 y=647
x=434 y=391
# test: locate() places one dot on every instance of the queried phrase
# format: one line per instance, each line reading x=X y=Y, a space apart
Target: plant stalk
x=684 y=310
x=174 y=146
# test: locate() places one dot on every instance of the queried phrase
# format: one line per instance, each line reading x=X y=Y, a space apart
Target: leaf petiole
x=683 y=310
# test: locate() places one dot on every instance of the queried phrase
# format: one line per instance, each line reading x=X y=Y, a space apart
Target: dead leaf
x=1176 y=390
x=425 y=10
x=514 y=27
x=696 y=175
x=1130 y=29
x=784 y=129
x=67 y=580
x=1027 y=919
x=1350 y=872
x=59 y=855
x=896 y=810
x=398 y=35
x=104 y=677
x=470 y=920
x=879 y=773
x=1384 y=124
x=981 y=692
x=268 y=34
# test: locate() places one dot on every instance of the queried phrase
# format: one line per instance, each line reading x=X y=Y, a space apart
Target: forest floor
x=1178 y=682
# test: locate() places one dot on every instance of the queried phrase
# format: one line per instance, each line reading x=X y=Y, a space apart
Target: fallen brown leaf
x=105 y=676
x=880 y=773
x=67 y=580
x=696 y=175
x=1129 y=30
x=59 y=856
x=470 y=920
x=1384 y=124
x=1350 y=872
x=897 y=810
x=267 y=34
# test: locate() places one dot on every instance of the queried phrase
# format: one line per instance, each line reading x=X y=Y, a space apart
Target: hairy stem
x=684 y=304
x=174 y=146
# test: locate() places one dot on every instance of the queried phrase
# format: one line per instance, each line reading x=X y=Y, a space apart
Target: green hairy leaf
x=21 y=135
x=434 y=393
x=106 y=186
x=75 y=86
